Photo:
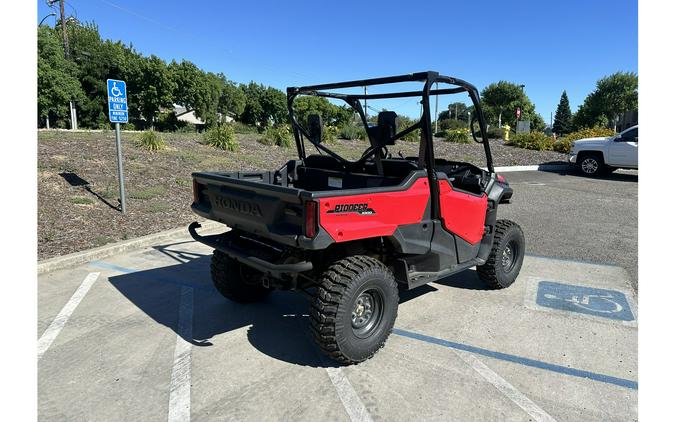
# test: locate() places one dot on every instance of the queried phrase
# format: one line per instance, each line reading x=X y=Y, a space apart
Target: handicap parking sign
x=586 y=300
x=117 y=101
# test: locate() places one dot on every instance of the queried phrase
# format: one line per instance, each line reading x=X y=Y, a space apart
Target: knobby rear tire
x=341 y=288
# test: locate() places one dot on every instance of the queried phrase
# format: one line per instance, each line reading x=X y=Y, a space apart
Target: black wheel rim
x=510 y=256
x=367 y=312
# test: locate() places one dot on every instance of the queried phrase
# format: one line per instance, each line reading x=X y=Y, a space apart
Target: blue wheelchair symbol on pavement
x=586 y=300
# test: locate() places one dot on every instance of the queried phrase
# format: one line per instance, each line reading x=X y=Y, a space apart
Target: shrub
x=459 y=136
x=151 y=141
x=564 y=144
x=537 y=141
x=352 y=131
x=277 y=135
x=495 y=133
x=330 y=134
x=449 y=124
x=187 y=128
x=243 y=128
x=222 y=137
x=167 y=122
x=404 y=123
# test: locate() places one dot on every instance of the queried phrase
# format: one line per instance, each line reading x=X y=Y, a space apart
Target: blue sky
x=546 y=45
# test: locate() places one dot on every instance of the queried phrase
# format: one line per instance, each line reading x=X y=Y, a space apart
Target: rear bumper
x=272 y=269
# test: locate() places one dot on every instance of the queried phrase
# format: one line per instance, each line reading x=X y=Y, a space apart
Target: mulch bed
x=78 y=193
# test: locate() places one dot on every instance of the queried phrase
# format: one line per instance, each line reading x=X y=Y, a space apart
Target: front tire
x=591 y=165
x=236 y=281
x=506 y=257
x=355 y=308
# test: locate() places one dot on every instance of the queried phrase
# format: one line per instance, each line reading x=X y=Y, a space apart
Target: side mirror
x=386 y=127
x=619 y=139
x=315 y=128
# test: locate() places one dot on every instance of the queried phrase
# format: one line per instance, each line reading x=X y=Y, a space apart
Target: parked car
x=596 y=156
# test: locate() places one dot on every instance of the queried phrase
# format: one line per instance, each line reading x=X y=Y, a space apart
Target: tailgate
x=251 y=202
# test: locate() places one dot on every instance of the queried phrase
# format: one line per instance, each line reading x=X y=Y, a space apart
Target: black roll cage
x=426 y=152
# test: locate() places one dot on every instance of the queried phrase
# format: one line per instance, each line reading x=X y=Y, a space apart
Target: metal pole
x=120 y=167
x=365 y=102
x=436 y=112
x=64 y=31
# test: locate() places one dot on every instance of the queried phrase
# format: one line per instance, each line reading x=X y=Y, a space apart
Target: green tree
x=274 y=107
x=232 y=98
x=537 y=123
x=253 y=110
x=56 y=84
x=503 y=98
x=188 y=79
x=562 y=124
x=330 y=113
x=614 y=95
x=457 y=111
x=157 y=88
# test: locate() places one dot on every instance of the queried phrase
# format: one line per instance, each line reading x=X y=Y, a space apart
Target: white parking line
x=350 y=400
x=537 y=413
x=179 y=390
x=59 y=322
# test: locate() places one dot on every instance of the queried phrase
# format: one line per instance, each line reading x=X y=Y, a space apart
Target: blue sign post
x=118 y=113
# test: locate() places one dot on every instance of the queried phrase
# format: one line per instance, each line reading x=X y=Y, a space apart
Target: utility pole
x=66 y=50
x=456 y=116
x=62 y=4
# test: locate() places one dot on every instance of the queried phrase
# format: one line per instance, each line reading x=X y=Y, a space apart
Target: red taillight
x=500 y=178
x=311 y=223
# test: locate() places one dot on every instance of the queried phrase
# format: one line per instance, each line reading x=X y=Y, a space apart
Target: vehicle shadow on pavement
x=278 y=326
x=467 y=279
x=616 y=176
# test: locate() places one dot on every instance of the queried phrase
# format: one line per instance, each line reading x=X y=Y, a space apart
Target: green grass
x=183 y=182
x=187 y=156
x=79 y=200
x=158 y=207
x=102 y=240
x=147 y=193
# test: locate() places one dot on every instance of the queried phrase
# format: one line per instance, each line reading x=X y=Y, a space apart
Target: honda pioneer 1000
x=351 y=233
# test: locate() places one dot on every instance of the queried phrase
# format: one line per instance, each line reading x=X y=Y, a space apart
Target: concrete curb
x=78 y=258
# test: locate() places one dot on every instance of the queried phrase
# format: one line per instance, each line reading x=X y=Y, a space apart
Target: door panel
x=623 y=154
x=462 y=213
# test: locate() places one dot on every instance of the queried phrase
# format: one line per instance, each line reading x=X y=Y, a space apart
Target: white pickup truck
x=595 y=156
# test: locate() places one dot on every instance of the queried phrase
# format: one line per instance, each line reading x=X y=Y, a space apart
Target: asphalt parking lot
x=568 y=216
x=144 y=335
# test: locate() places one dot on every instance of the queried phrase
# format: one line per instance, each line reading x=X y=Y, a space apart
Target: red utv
x=349 y=234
